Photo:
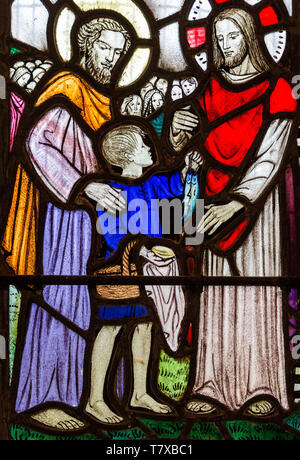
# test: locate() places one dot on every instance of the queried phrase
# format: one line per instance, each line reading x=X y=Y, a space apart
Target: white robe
x=241 y=351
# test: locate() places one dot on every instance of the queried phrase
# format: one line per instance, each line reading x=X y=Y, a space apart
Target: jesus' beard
x=100 y=73
x=234 y=61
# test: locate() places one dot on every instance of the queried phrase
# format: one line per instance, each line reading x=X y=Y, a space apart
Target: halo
x=126 y=8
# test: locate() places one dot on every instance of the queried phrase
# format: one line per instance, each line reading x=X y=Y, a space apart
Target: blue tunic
x=147 y=220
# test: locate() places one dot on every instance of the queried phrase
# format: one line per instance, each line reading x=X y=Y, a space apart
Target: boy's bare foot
x=261 y=409
x=147 y=402
x=102 y=412
x=56 y=418
x=201 y=407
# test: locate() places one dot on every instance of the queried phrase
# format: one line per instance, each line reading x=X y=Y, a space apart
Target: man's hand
x=194 y=160
x=217 y=216
x=106 y=196
x=184 y=120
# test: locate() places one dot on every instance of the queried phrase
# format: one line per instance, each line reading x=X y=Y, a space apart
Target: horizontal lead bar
x=197 y=281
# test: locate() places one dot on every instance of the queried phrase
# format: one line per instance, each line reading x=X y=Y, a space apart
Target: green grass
x=239 y=431
x=164 y=430
x=246 y=431
x=19 y=433
x=205 y=432
x=294 y=421
x=173 y=376
x=127 y=435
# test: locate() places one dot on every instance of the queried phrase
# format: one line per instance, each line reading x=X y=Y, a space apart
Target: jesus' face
x=232 y=43
x=104 y=55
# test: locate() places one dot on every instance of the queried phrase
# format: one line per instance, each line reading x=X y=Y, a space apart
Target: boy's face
x=142 y=155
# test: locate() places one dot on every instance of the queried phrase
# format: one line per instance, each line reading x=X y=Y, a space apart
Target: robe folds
x=61 y=154
x=229 y=144
x=19 y=240
x=241 y=346
x=20 y=237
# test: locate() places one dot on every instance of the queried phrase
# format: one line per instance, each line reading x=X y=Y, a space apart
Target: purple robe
x=53 y=356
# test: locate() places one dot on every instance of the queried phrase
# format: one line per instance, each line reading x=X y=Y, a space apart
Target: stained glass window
x=149 y=223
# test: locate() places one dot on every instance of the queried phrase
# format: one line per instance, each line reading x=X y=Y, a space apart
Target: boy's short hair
x=119 y=141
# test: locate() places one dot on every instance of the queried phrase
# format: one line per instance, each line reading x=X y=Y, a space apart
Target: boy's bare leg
x=101 y=357
x=141 y=348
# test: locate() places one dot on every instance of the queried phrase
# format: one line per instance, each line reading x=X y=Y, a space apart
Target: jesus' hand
x=106 y=196
x=184 y=120
x=218 y=215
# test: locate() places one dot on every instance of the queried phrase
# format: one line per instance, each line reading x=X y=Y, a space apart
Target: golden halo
x=126 y=8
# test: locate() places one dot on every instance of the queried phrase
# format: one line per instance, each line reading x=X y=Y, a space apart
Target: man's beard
x=101 y=74
x=234 y=61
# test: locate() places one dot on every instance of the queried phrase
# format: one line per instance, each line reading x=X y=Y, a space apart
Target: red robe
x=231 y=135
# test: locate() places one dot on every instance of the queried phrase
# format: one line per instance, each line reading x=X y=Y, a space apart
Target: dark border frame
x=39 y=281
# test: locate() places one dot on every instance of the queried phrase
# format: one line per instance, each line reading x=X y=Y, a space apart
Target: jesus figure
x=247 y=115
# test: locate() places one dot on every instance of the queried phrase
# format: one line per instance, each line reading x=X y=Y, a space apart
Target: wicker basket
x=120 y=292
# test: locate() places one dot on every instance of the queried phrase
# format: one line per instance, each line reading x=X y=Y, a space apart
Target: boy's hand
x=194 y=160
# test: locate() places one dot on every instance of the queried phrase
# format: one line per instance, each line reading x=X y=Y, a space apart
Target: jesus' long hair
x=245 y=22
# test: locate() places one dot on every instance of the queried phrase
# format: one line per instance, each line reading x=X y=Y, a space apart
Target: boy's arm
x=193 y=161
x=173 y=186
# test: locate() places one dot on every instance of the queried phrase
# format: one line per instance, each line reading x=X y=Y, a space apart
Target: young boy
x=125 y=147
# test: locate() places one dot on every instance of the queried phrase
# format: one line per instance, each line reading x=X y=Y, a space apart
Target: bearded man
x=247 y=120
x=62 y=156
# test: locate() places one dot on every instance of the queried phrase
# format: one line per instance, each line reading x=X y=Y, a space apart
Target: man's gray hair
x=91 y=31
